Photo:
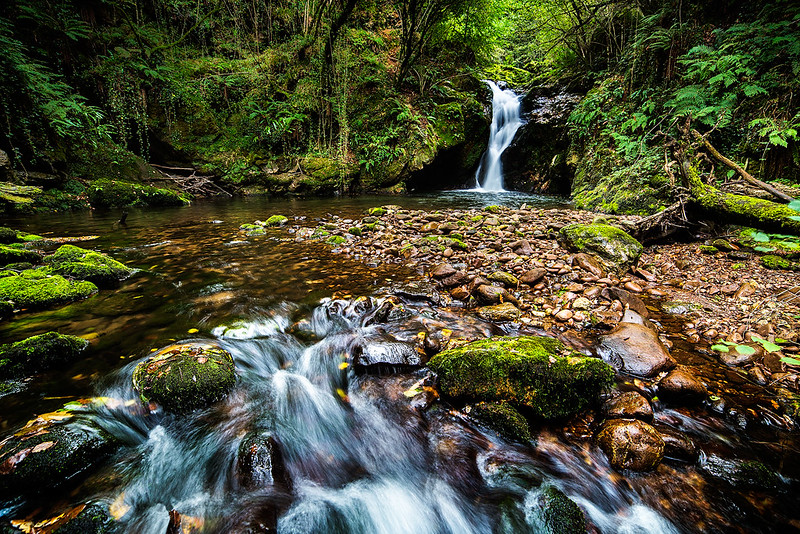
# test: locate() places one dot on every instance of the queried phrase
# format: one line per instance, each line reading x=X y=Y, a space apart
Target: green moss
x=83 y=264
x=276 y=220
x=555 y=513
x=708 y=249
x=44 y=292
x=504 y=419
x=94 y=519
x=38 y=353
x=492 y=209
x=377 y=212
x=18 y=255
x=614 y=247
x=7 y=235
x=335 y=240
x=355 y=230
x=535 y=372
x=771 y=261
x=184 y=377
x=115 y=194
x=6 y=309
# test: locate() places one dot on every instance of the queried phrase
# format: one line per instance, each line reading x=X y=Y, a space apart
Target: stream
x=347 y=451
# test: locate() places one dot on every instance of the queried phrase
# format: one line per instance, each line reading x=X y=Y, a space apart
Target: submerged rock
x=615 y=248
x=536 y=372
x=50 y=451
x=185 y=376
x=387 y=351
x=635 y=349
x=35 y=289
x=83 y=264
x=739 y=473
x=259 y=463
x=631 y=444
x=37 y=353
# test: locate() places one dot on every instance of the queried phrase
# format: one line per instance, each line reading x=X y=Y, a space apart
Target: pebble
x=564 y=315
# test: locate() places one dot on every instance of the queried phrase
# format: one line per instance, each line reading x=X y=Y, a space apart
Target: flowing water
x=505 y=123
x=335 y=450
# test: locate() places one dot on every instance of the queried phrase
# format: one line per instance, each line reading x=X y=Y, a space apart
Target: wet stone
x=628 y=405
x=533 y=276
x=677 y=445
x=681 y=386
x=499 y=313
x=631 y=444
x=635 y=349
x=443 y=270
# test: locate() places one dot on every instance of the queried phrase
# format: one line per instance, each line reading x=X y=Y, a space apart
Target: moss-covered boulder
x=614 y=247
x=550 y=511
x=537 y=373
x=503 y=419
x=49 y=451
x=116 y=194
x=8 y=235
x=35 y=289
x=771 y=261
x=37 y=353
x=82 y=264
x=276 y=220
x=185 y=376
x=16 y=254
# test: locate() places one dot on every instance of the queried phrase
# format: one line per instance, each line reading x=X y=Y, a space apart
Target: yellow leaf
x=342 y=394
x=89 y=337
x=119 y=508
x=24 y=526
x=193 y=330
x=343 y=366
x=138 y=297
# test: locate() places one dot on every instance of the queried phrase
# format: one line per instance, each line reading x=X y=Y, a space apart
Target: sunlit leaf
x=745 y=350
x=790 y=360
x=768 y=346
x=720 y=348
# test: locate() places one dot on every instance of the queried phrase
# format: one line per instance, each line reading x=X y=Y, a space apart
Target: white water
x=505 y=123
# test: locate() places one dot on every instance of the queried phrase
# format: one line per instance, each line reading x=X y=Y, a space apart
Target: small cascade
x=505 y=123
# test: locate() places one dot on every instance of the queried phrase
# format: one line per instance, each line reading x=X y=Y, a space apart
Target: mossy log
x=738 y=208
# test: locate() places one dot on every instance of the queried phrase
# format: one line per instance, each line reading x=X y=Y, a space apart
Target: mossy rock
x=117 y=194
x=503 y=419
x=50 y=451
x=770 y=261
x=18 y=255
x=8 y=235
x=750 y=474
x=550 y=511
x=83 y=264
x=377 y=212
x=614 y=247
x=335 y=240
x=28 y=291
x=186 y=376
x=538 y=373
x=355 y=230
x=93 y=518
x=276 y=220
x=37 y=353
x=6 y=309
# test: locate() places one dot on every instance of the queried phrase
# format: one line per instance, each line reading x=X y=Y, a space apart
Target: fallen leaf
x=11 y=462
x=43 y=446
x=119 y=508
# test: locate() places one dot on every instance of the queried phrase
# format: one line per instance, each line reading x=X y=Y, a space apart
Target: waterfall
x=505 y=123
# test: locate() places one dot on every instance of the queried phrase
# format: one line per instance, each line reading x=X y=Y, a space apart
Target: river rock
x=615 y=248
x=741 y=473
x=494 y=295
x=499 y=313
x=628 y=299
x=554 y=512
x=374 y=352
x=635 y=349
x=507 y=279
x=533 y=276
x=185 y=376
x=681 y=386
x=521 y=247
x=502 y=418
x=49 y=451
x=537 y=372
x=631 y=444
x=589 y=264
x=82 y=264
x=736 y=358
x=443 y=270
x=37 y=353
x=456 y=279
x=628 y=405
x=259 y=463
x=36 y=289
x=677 y=445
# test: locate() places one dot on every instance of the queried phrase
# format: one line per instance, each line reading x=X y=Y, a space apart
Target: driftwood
x=193 y=183
x=736 y=167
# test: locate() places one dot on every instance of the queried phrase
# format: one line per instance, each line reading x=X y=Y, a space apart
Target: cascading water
x=505 y=123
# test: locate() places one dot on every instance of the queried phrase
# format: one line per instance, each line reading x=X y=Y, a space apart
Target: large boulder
x=35 y=289
x=37 y=353
x=635 y=349
x=615 y=248
x=82 y=264
x=185 y=376
x=50 y=451
x=537 y=373
x=17 y=254
x=631 y=444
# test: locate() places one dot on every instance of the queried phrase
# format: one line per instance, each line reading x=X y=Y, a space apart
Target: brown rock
x=458 y=278
x=589 y=264
x=631 y=444
x=635 y=349
x=494 y=295
x=681 y=386
x=459 y=293
x=448 y=227
x=628 y=405
x=633 y=287
x=735 y=358
x=522 y=247
x=533 y=276
x=499 y=313
x=677 y=445
x=745 y=290
x=628 y=299
x=564 y=315
x=443 y=270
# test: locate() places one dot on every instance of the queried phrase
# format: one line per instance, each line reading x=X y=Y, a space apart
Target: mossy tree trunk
x=738 y=208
